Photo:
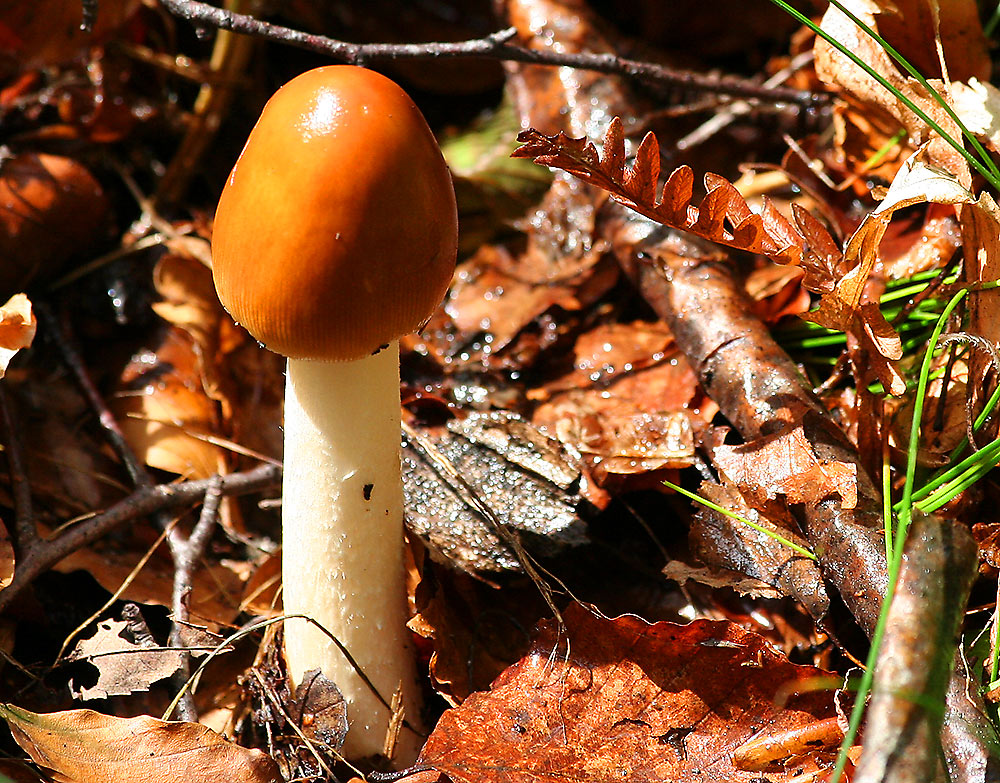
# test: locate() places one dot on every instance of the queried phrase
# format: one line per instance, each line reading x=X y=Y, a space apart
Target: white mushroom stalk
x=341 y=503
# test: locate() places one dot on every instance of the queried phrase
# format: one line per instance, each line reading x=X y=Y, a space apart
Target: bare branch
x=496 y=45
x=143 y=501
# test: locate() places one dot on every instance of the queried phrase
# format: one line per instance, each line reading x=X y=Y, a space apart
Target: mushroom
x=335 y=235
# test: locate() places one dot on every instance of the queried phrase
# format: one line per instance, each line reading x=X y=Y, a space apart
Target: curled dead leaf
x=83 y=746
x=722 y=216
x=785 y=464
x=17 y=328
x=51 y=209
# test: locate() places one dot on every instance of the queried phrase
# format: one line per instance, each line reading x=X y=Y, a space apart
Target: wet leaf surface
x=497 y=460
x=622 y=699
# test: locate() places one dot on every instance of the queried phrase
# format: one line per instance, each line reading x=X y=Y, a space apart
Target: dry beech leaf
x=216 y=590
x=914 y=27
x=166 y=415
x=681 y=572
x=917 y=182
x=17 y=328
x=629 y=404
x=122 y=665
x=6 y=557
x=51 y=207
x=83 y=746
x=977 y=105
x=723 y=216
x=526 y=479
x=785 y=465
x=625 y=700
x=981 y=245
x=722 y=542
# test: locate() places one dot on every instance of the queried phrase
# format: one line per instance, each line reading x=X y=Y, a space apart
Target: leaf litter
x=583 y=354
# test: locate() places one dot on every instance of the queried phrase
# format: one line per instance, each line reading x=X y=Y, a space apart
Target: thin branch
x=142 y=502
x=57 y=333
x=186 y=554
x=25 y=532
x=497 y=45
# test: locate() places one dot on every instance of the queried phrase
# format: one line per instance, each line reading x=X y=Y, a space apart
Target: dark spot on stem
x=367 y=489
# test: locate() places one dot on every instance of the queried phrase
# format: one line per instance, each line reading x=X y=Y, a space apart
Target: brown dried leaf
x=123 y=668
x=473 y=635
x=786 y=465
x=723 y=216
x=914 y=28
x=723 y=542
x=166 y=414
x=51 y=209
x=83 y=746
x=216 y=589
x=17 y=328
x=681 y=572
x=981 y=242
x=917 y=182
x=628 y=701
x=630 y=405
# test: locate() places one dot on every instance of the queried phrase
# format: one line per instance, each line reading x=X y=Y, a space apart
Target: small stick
x=25 y=532
x=54 y=330
x=186 y=553
x=496 y=45
x=142 y=502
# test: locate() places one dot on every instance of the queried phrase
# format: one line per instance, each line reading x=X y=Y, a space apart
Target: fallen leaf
x=977 y=105
x=215 y=594
x=17 y=328
x=682 y=572
x=51 y=209
x=914 y=28
x=630 y=406
x=83 y=746
x=165 y=414
x=842 y=308
x=488 y=469
x=785 y=465
x=625 y=700
x=724 y=542
x=981 y=245
x=122 y=664
x=6 y=557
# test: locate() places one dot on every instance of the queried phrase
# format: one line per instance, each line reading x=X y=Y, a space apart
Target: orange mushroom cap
x=337 y=229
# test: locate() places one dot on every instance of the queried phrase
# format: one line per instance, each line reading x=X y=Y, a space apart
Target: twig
x=496 y=45
x=915 y=663
x=186 y=553
x=55 y=331
x=25 y=532
x=142 y=502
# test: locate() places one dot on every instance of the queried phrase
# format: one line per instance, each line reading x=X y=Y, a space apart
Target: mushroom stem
x=342 y=551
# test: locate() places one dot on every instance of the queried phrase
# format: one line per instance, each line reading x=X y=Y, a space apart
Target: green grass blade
x=732 y=515
x=923 y=83
x=971 y=159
